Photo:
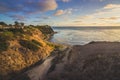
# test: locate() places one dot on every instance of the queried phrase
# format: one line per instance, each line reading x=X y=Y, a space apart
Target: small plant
x=51 y=44
x=29 y=44
x=6 y=35
x=3 y=46
x=16 y=30
x=37 y=43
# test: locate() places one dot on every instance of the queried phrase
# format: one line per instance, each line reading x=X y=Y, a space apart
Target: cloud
x=106 y=16
x=63 y=12
x=3 y=8
x=86 y=17
x=27 y=6
x=47 y=5
x=110 y=18
x=77 y=21
x=59 y=12
x=95 y=0
x=9 y=7
x=46 y=17
x=69 y=11
x=101 y=0
x=18 y=17
x=66 y=0
x=111 y=6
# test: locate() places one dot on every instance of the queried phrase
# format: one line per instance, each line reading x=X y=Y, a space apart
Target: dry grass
x=19 y=55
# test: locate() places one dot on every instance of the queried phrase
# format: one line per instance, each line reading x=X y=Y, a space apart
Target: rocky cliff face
x=21 y=48
x=94 y=61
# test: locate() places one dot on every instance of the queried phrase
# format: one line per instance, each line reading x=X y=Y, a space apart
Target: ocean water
x=84 y=35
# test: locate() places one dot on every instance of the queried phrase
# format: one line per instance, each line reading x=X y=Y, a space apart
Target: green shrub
x=55 y=46
x=29 y=44
x=3 y=46
x=37 y=43
x=51 y=44
x=45 y=29
x=16 y=30
x=6 y=35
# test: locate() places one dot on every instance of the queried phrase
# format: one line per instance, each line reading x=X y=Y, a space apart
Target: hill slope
x=21 y=48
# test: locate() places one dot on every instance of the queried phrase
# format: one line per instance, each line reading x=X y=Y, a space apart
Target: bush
x=15 y=30
x=6 y=35
x=3 y=46
x=51 y=44
x=29 y=44
x=37 y=43
x=45 y=29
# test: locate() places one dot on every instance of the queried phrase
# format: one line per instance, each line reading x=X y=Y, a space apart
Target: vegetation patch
x=45 y=29
x=3 y=46
x=51 y=44
x=29 y=44
x=16 y=30
x=16 y=39
x=6 y=35
x=37 y=43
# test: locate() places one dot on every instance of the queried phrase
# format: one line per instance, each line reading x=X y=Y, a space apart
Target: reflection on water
x=80 y=36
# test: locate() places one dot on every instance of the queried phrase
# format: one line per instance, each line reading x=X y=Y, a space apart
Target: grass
x=15 y=42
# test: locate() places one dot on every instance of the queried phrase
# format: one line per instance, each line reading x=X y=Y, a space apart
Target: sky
x=61 y=12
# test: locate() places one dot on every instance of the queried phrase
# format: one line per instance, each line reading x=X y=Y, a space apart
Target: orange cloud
x=111 y=6
x=48 y=5
x=62 y=12
x=110 y=18
x=58 y=13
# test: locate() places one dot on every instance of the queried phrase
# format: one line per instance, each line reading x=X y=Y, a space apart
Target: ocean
x=84 y=35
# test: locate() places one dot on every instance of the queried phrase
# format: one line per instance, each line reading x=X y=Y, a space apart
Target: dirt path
x=59 y=67
x=39 y=72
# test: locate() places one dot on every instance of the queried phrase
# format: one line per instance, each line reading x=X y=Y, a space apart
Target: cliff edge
x=93 y=61
x=23 y=47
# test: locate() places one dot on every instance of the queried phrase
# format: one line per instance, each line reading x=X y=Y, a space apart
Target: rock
x=94 y=61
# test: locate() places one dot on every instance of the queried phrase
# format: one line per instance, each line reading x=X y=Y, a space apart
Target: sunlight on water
x=83 y=36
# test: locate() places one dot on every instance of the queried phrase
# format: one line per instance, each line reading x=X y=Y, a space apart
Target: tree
x=16 y=23
x=22 y=24
x=3 y=24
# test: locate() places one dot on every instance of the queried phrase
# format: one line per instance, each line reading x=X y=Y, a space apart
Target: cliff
x=21 y=48
x=93 y=61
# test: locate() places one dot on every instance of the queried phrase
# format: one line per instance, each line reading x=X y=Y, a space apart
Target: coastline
x=93 y=61
x=23 y=48
x=71 y=61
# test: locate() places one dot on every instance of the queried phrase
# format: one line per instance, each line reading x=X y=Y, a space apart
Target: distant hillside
x=23 y=47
